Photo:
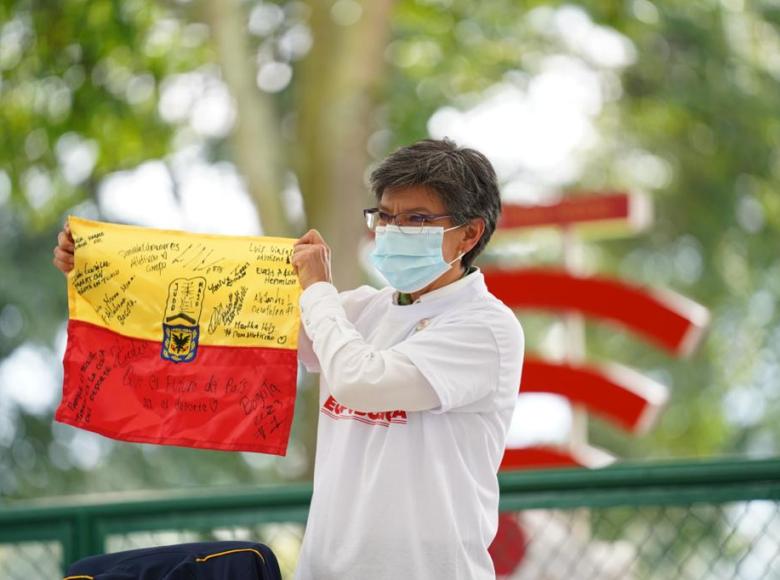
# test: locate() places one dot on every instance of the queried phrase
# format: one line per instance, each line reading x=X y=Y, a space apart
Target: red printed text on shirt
x=335 y=410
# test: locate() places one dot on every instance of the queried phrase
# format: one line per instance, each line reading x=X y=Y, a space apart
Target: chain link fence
x=28 y=560
x=688 y=521
x=738 y=540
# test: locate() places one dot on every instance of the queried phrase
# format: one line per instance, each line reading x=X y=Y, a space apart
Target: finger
x=309 y=237
x=63 y=256
x=298 y=247
x=305 y=239
x=306 y=249
x=66 y=229
x=300 y=241
x=303 y=254
x=295 y=261
x=312 y=237
x=64 y=243
x=62 y=266
x=319 y=238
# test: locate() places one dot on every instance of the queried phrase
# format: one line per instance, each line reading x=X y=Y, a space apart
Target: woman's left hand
x=311 y=259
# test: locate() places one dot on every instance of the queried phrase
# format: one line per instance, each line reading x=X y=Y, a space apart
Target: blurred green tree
x=321 y=90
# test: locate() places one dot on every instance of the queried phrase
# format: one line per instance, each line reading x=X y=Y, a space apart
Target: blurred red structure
x=664 y=318
x=618 y=394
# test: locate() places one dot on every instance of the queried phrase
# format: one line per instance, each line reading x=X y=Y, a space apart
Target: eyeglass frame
x=392 y=221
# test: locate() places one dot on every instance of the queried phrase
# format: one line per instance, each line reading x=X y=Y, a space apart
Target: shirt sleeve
x=358 y=374
x=353 y=302
x=306 y=351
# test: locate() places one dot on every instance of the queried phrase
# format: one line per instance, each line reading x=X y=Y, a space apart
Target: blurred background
x=252 y=117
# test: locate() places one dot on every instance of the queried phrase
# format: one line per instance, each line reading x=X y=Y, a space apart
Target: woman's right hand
x=63 y=252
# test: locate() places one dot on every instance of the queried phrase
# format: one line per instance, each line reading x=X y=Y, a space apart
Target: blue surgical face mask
x=410 y=261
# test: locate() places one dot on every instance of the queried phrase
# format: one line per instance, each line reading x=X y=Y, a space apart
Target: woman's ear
x=472 y=233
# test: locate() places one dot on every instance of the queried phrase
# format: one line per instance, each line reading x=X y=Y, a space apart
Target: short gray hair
x=463 y=178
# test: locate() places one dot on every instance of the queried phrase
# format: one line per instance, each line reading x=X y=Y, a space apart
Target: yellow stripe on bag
x=150 y=284
x=228 y=553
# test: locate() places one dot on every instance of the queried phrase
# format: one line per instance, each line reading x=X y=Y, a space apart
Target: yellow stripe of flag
x=239 y=291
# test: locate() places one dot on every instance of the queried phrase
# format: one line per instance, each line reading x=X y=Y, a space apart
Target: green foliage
x=84 y=74
x=702 y=97
x=700 y=101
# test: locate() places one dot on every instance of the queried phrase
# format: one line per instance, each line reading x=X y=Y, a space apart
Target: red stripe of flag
x=229 y=398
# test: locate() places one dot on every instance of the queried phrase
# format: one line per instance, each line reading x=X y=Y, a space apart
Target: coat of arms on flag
x=181 y=339
x=185 y=301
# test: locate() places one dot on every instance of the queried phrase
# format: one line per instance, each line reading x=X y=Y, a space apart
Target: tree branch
x=256 y=136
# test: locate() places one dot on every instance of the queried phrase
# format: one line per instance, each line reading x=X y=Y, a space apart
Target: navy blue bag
x=196 y=561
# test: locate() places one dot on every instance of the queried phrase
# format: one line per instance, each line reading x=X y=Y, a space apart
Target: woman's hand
x=63 y=251
x=311 y=259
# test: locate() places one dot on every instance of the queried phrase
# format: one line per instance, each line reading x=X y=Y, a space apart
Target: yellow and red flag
x=181 y=339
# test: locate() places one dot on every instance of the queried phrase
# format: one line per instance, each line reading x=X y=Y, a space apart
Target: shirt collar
x=474 y=276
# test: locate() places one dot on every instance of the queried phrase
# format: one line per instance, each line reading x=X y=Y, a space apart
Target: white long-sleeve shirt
x=415 y=404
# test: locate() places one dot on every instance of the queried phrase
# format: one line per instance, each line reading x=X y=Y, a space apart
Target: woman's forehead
x=414 y=198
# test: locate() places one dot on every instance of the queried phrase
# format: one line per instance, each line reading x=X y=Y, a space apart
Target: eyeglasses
x=407 y=222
